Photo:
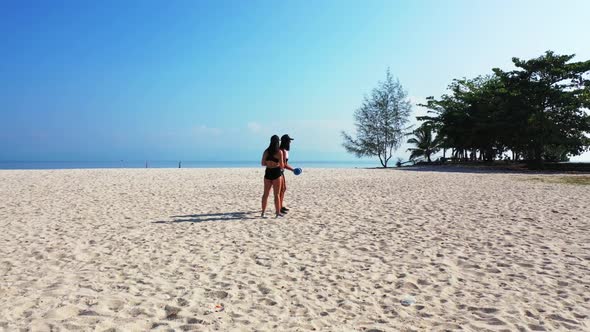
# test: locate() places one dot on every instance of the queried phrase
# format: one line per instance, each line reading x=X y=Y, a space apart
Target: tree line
x=536 y=112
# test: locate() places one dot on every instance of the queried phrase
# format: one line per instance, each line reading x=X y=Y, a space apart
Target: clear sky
x=212 y=80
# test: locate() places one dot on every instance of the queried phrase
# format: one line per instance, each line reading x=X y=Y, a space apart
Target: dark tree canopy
x=537 y=111
x=380 y=122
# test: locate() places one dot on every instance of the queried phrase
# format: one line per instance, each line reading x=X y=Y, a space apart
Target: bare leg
x=283 y=189
x=267 y=186
x=276 y=188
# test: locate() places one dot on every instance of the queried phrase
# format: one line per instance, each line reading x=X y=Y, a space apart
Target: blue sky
x=212 y=80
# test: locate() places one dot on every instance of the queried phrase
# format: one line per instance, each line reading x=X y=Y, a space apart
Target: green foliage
x=380 y=122
x=536 y=111
x=425 y=144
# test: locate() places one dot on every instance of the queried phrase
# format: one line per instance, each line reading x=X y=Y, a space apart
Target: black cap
x=286 y=138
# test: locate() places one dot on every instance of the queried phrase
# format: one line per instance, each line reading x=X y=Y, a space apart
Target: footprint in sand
x=268 y=302
x=63 y=313
x=219 y=294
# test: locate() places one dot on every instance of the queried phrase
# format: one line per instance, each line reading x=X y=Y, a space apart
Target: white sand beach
x=185 y=249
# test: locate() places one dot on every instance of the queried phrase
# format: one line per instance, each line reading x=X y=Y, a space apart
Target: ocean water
x=174 y=164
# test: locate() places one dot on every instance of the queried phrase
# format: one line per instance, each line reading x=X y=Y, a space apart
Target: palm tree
x=425 y=144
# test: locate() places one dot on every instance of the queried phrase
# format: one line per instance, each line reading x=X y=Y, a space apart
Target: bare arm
x=284 y=158
x=263 y=161
x=281 y=159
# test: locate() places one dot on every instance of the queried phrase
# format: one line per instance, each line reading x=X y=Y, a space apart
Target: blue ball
x=297 y=171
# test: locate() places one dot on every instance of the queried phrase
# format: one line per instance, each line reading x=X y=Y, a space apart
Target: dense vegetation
x=537 y=112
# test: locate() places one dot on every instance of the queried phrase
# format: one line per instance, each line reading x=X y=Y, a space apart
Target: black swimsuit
x=272 y=173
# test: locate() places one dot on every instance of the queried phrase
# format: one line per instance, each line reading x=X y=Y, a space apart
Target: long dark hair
x=285 y=143
x=273 y=147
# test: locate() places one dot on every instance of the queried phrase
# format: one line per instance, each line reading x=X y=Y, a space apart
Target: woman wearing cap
x=285 y=147
x=272 y=158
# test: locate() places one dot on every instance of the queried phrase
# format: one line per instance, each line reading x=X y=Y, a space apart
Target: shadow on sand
x=472 y=169
x=196 y=218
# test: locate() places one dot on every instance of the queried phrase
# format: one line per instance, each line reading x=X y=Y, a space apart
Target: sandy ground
x=185 y=249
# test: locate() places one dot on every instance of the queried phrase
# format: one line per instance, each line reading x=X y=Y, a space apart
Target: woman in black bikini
x=272 y=158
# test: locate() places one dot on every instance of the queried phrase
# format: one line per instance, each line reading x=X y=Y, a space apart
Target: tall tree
x=465 y=120
x=548 y=94
x=380 y=122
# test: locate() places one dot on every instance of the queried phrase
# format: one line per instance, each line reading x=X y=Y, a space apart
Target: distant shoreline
x=469 y=167
x=47 y=165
